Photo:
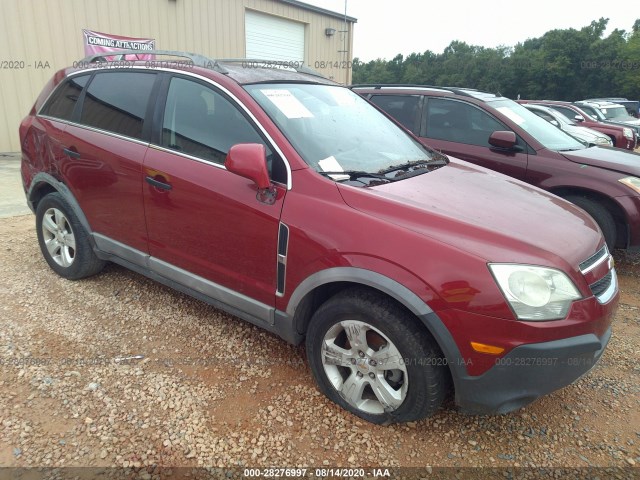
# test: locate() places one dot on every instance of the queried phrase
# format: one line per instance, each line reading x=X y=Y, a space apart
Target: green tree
x=563 y=64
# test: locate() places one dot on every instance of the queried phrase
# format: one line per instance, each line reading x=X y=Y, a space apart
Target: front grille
x=594 y=260
x=601 y=286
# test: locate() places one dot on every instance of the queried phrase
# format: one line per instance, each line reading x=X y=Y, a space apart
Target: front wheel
x=368 y=356
x=600 y=214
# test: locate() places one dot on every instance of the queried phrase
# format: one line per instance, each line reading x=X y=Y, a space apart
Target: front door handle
x=158 y=183
x=71 y=153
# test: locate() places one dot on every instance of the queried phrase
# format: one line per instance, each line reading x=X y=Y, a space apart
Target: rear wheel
x=600 y=214
x=63 y=240
x=371 y=358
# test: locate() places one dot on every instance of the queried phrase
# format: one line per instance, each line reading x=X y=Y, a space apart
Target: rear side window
x=64 y=100
x=117 y=102
x=404 y=108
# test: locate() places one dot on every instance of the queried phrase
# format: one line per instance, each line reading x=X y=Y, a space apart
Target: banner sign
x=96 y=42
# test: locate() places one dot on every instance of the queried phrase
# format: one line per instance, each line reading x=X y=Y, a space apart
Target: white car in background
x=586 y=135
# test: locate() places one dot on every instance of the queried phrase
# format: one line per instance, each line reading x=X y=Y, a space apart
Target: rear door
x=201 y=218
x=461 y=129
x=105 y=147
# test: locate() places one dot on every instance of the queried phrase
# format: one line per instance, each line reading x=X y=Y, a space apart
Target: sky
x=388 y=27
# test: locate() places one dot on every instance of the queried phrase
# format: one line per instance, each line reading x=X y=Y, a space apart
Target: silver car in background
x=586 y=135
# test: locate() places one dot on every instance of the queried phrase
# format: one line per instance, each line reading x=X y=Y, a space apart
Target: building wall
x=47 y=35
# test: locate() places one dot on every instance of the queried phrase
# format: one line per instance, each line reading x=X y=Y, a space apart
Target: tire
x=600 y=214
x=63 y=240
x=379 y=329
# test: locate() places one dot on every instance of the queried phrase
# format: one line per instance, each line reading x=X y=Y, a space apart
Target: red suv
x=497 y=133
x=292 y=203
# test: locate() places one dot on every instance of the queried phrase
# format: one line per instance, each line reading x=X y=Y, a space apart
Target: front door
x=462 y=130
x=202 y=218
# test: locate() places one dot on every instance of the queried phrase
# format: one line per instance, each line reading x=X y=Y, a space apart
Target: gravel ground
x=213 y=391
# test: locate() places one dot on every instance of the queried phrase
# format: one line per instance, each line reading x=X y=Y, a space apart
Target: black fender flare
x=395 y=290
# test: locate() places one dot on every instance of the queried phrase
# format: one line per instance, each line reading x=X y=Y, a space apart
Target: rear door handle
x=157 y=183
x=71 y=153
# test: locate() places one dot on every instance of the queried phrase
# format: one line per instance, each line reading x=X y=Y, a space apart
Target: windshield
x=616 y=113
x=593 y=111
x=549 y=136
x=335 y=130
x=561 y=119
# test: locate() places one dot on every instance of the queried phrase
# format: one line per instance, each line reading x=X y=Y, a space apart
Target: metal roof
x=242 y=70
x=244 y=73
x=322 y=11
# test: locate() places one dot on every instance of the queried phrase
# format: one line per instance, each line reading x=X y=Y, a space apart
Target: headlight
x=535 y=293
x=631 y=182
x=628 y=133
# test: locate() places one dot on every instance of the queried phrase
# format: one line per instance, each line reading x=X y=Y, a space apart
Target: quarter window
x=64 y=101
x=117 y=102
x=460 y=122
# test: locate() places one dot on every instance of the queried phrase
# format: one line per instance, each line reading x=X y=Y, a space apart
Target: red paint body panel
x=107 y=182
x=211 y=224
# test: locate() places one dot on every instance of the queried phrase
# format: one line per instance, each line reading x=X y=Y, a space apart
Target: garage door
x=273 y=38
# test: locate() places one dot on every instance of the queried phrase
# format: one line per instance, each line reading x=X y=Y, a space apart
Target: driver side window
x=201 y=122
x=460 y=122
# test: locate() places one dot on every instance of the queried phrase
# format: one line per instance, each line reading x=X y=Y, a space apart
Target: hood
x=616 y=159
x=635 y=122
x=583 y=133
x=481 y=212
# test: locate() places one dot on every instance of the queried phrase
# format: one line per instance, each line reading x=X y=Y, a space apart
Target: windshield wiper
x=356 y=174
x=417 y=165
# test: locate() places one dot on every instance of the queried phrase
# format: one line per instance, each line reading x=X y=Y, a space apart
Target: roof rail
x=296 y=65
x=198 y=60
x=456 y=90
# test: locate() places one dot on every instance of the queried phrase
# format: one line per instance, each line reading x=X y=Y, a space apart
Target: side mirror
x=554 y=123
x=503 y=139
x=249 y=160
x=579 y=118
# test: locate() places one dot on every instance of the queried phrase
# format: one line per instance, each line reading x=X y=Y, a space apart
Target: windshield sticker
x=330 y=164
x=343 y=97
x=511 y=114
x=287 y=103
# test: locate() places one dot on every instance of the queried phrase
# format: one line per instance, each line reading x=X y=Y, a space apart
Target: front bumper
x=528 y=372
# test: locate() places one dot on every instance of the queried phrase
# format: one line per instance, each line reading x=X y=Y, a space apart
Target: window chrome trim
x=97 y=130
x=186 y=155
x=238 y=104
